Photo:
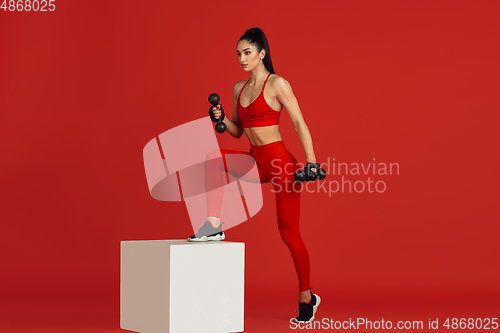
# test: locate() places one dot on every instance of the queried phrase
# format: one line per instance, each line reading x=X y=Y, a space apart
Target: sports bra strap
x=263 y=86
x=243 y=88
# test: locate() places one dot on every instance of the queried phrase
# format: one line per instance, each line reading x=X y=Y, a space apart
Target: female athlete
x=258 y=102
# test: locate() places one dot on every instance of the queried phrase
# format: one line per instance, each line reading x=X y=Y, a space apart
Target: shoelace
x=299 y=308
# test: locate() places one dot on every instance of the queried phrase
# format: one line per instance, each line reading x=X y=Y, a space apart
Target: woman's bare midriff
x=259 y=136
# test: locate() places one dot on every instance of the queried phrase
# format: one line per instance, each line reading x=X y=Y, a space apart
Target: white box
x=173 y=286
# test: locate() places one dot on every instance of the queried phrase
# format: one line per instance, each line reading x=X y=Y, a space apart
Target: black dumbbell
x=214 y=100
x=302 y=175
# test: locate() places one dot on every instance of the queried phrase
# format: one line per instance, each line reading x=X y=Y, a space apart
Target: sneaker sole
x=206 y=238
x=315 y=307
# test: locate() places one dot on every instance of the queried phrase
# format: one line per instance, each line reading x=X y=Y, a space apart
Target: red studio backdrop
x=412 y=85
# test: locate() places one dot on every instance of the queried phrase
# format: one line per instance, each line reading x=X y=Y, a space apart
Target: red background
x=84 y=88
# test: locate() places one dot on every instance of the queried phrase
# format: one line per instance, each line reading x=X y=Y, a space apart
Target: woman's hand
x=216 y=113
x=311 y=172
x=313 y=162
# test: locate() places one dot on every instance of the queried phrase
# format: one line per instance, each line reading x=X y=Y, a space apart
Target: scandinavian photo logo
x=342 y=177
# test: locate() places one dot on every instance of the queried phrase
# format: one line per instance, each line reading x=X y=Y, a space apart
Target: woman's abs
x=259 y=136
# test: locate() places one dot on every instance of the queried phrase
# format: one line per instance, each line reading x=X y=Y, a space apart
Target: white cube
x=173 y=286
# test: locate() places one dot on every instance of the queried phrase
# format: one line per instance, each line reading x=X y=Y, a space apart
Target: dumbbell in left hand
x=214 y=100
x=308 y=175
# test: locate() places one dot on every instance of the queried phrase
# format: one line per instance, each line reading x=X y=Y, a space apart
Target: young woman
x=258 y=102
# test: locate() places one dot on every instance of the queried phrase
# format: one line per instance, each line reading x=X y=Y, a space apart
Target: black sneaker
x=207 y=233
x=307 y=310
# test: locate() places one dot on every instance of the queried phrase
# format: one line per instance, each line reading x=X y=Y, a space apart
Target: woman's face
x=248 y=55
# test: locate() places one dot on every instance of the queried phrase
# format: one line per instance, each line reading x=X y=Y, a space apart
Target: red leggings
x=277 y=165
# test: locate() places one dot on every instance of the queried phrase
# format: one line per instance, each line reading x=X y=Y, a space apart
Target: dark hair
x=257 y=37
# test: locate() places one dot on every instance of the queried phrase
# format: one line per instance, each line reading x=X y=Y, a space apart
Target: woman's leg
x=288 y=214
x=279 y=166
x=217 y=168
x=288 y=211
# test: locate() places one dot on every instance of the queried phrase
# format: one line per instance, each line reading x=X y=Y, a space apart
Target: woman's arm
x=286 y=97
x=234 y=126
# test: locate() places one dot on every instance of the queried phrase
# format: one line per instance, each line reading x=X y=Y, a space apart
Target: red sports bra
x=258 y=113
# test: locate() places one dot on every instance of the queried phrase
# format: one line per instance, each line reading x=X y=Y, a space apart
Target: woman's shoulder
x=239 y=84
x=278 y=82
x=275 y=79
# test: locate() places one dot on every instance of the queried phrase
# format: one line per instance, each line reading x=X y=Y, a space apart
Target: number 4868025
x=28 y=5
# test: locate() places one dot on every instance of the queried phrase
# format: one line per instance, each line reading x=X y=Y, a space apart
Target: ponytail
x=257 y=37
